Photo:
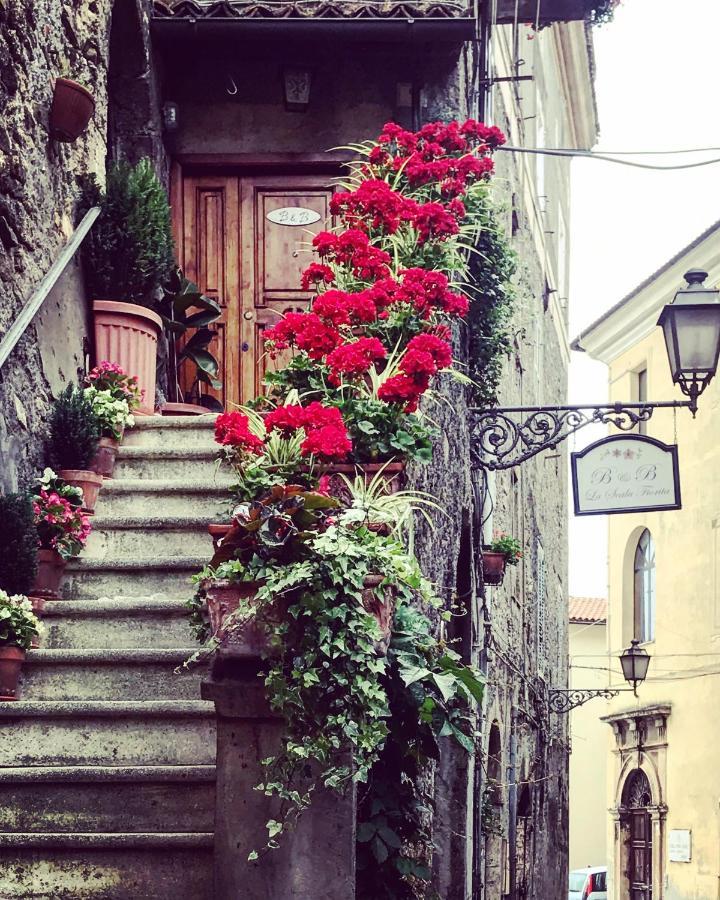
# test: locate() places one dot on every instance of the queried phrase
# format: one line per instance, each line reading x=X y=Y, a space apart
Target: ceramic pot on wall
x=50 y=570
x=89 y=483
x=11 y=660
x=127 y=334
x=493 y=566
x=104 y=461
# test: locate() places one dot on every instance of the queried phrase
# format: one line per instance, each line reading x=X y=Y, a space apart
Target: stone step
x=124 y=537
x=171 y=431
x=152 y=622
x=107 y=799
x=167 y=462
x=141 y=497
x=120 y=674
x=110 y=732
x=120 y=866
x=89 y=579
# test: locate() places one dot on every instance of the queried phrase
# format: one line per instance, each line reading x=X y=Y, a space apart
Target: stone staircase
x=107 y=762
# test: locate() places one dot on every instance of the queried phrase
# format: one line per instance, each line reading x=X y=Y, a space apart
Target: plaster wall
x=684 y=668
x=588 y=761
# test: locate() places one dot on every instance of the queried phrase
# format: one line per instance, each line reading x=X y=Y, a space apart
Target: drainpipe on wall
x=512 y=807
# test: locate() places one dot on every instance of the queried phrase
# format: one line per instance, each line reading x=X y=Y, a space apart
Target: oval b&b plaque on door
x=625 y=473
x=293 y=215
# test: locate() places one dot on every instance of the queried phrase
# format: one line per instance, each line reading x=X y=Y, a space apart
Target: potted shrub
x=74 y=433
x=18 y=544
x=71 y=110
x=128 y=256
x=62 y=530
x=114 y=395
x=186 y=313
x=19 y=626
x=504 y=550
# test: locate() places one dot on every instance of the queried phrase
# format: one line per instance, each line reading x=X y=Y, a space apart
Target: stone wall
x=40 y=181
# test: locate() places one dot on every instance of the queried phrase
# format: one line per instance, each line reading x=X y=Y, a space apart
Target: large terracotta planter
x=11 y=660
x=104 y=461
x=380 y=604
x=71 y=110
x=127 y=334
x=89 y=483
x=50 y=569
x=392 y=475
x=493 y=566
x=222 y=599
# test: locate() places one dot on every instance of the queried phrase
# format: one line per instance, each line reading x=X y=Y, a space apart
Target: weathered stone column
x=315 y=861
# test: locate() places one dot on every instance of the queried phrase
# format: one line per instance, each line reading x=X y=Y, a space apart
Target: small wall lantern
x=170 y=116
x=691 y=325
x=296 y=84
x=635 y=661
x=71 y=110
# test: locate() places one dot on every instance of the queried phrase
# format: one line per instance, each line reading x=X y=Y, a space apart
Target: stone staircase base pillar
x=316 y=861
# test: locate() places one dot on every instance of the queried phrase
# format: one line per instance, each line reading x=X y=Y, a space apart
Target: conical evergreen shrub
x=18 y=544
x=74 y=431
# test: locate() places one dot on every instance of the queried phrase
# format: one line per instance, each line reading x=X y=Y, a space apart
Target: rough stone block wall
x=39 y=179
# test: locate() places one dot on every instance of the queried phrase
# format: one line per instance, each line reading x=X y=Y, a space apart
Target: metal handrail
x=27 y=313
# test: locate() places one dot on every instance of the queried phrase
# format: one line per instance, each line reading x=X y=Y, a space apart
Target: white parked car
x=588 y=884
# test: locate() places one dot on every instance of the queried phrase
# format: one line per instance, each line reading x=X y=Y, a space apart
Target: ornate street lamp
x=691 y=325
x=634 y=662
x=503 y=438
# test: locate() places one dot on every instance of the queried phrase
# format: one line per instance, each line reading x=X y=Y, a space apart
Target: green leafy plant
x=186 y=313
x=508 y=545
x=128 y=253
x=18 y=544
x=373 y=504
x=74 y=430
x=18 y=623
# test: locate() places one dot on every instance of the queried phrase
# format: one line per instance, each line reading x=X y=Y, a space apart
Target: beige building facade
x=663 y=826
x=588 y=734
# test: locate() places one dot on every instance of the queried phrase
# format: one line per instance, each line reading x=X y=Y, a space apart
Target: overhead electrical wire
x=589 y=154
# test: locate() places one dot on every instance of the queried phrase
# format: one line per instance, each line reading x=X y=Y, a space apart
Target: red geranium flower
x=436 y=347
x=316 y=273
x=305 y=331
x=354 y=359
x=233 y=429
x=330 y=442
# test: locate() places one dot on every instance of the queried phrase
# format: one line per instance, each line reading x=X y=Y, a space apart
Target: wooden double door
x=245 y=239
x=640 y=874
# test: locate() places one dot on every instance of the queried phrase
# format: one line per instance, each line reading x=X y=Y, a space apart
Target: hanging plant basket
x=494 y=564
x=71 y=110
x=89 y=483
x=11 y=660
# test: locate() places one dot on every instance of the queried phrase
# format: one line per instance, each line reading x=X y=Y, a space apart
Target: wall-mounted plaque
x=293 y=215
x=680 y=845
x=624 y=474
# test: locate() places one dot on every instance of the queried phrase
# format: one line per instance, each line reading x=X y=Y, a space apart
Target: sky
x=658 y=88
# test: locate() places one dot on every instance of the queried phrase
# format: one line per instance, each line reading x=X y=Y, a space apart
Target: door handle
x=248 y=315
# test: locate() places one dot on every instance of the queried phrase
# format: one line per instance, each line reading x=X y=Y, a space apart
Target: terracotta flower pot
x=38 y=605
x=11 y=660
x=392 y=475
x=50 y=569
x=71 y=110
x=88 y=481
x=222 y=599
x=127 y=334
x=104 y=461
x=493 y=566
x=380 y=604
x=217 y=532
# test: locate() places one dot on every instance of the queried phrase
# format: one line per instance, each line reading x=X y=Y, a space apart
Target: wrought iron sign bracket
x=561 y=701
x=504 y=438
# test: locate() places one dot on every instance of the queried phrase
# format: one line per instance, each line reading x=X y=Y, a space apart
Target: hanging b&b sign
x=624 y=474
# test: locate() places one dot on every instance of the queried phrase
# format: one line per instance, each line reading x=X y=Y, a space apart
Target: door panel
x=250 y=264
x=274 y=257
x=210 y=257
x=640 y=855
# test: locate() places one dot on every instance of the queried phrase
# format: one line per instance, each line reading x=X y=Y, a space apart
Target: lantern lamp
x=691 y=325
x=635 y=661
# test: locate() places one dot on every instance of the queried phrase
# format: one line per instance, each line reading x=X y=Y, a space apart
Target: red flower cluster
x=425 y=355
x=233 y=429
x=340 y=308
x=325 y=432
x=316 y=273
x=353 y=248
x=433 y=220
x=423 y=289
x=306 y=331
x=354 y=359
x=373 y=205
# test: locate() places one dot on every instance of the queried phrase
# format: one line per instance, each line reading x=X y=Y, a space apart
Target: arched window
x=645 y=588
